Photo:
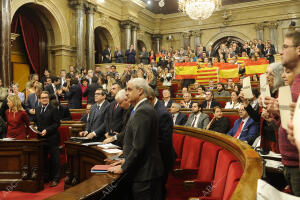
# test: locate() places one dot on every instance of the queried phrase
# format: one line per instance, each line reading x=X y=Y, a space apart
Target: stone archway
x=57 y=31
x=146 y=41
x=103 y=39
x=224 y=34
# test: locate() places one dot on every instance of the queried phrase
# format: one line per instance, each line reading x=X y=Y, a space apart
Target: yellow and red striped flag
x=207 y=73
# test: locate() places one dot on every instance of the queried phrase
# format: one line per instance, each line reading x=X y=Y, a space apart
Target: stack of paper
x=108 y=146
x=112 y=150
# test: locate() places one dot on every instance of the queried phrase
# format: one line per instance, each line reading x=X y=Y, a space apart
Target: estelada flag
x=186 y=70
x=207 y=73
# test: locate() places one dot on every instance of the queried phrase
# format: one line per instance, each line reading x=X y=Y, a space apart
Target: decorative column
x=197 y=39
x=259 y=31
x=157 y=40
x=186 y=40
x=273 y=34
x=5 y=43
x=134 y=28
x=90 y=57
x=126 y=25
x=79 y=7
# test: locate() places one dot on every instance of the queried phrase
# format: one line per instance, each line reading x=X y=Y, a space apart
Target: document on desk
x=264 y=88
x=112 y=150
x=108 y=146
x=267 y=191
x=35 y=130
x=285 y=99
x=296 y=123
x=247 y=90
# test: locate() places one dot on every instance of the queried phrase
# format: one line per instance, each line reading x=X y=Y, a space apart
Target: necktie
x=238 y=132
x=43 y=109
x=116 y=106
x=208 y=104
x=194 y=121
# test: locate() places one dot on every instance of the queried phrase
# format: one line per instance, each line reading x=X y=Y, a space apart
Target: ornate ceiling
x=172 y=7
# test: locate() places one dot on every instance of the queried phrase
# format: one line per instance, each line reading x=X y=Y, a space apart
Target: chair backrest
x=76 y=116
x=223 y=163
x=191 y=153
x=208 y=159
x=234 y=174
x=232 y=119
x=178 y=140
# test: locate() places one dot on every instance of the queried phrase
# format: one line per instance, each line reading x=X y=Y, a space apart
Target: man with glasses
x=245 y=128
x=95 y=125
x=47 y=122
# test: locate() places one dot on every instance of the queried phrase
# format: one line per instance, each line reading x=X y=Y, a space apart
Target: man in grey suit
x=33 y=101
x=144 y=56
x=197 y=119
x=142 y=161
x=95 y=125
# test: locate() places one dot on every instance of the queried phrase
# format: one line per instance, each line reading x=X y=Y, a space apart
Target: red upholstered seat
x=232 y=119
x=191 y=153
x=222 y=104
x=76 y=116
x=178 y=140
x=64 y=136
x=233 y=177
x=216 y=190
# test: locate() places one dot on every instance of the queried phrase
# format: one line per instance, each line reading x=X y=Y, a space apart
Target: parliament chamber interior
x=149 y=99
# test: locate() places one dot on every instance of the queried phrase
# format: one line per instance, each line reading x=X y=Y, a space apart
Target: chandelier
x=199 y=9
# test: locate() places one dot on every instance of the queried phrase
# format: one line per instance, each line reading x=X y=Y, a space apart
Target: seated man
x=186 y=102
x=209 y=100
x=197 y=119
x=221 y=92
x=245 y=128
x=167 y=98
x=184 y=90
x=178 y=117
x=85 y=117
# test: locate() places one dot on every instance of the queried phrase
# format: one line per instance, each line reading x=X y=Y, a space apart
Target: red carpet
x=47 y=192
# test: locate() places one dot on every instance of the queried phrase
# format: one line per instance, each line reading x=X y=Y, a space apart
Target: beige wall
x=59 y=20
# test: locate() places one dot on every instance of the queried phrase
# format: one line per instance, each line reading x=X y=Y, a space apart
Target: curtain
x=31 y=41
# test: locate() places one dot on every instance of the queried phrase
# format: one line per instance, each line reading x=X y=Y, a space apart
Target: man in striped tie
x=245 y=128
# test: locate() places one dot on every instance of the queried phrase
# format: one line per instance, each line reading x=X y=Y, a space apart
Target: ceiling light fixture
x=199 y=9
x=149 y=2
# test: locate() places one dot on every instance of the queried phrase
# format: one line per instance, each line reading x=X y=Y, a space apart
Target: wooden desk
x=22 y=165
x=80 y=161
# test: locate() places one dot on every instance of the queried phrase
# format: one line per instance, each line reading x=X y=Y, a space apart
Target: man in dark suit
x=144 y=56
x=74 y=95
x=53 y=89
x=84 y=118
x=47 y=122
x=114 y=115
x=178 y=117
x=33 y=101
x=63 y=111
x=107 y=55
x=95 y=126
x=197 y=119
x=90 y=90
x=130 y=53
x=167 y=98
x=166 y=148
x=245 y=128
x=141 y=147
x=186 y=103
x=209 y=101
x=119 y=56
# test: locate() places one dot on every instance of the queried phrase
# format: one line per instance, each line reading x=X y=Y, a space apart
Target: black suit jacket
x=50 y=121
x=213 y=104
x=50 y=89
x=64 y=113
x=107 y=52
x=114 y=122
x=169 y=103
x=126 y=116
x=166 y=148
x=74 y=97
x=141 y=150
x=96 y=121
x=90 y=92
x=181 y=119
x=31 y=103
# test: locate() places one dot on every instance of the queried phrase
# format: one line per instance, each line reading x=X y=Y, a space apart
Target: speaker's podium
x=21 y=165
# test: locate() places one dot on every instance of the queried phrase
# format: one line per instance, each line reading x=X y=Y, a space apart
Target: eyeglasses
x=98 y=94
x=285 y=46
x=44 y=97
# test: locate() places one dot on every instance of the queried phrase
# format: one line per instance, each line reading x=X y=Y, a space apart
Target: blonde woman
x=17 y=118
